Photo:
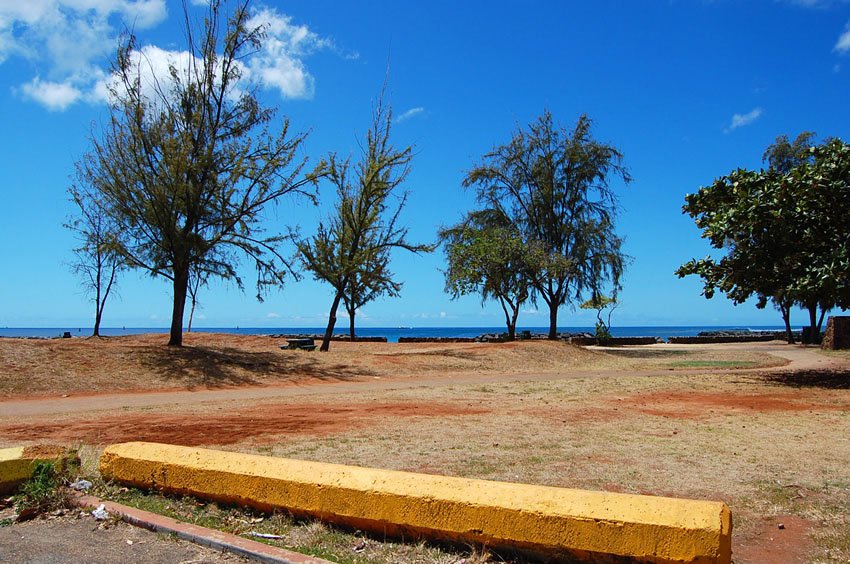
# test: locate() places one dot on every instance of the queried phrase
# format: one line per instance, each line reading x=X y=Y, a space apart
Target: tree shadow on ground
x=227 y=366
x=827 y=379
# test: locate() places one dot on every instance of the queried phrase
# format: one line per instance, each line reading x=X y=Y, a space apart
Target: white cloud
x=412 y=112
x=70 y=42
x=55 y=96
x=272 y=315
x=67 y=41
x=279 y=64
x=741 y=120
x=843 y=44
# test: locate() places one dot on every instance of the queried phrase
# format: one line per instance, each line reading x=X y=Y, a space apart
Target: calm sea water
x=391 y=333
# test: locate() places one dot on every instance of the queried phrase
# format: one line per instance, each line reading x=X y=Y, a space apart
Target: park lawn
x=775 y=452
x=774 y=445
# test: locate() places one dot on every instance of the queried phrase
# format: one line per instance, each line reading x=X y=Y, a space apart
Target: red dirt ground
x=697 y=405
x=262 y=423
x=769 y=543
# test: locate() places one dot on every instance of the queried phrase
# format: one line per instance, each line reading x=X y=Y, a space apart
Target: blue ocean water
x=391 y=333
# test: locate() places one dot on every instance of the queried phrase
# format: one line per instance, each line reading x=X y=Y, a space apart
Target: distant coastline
x=391 y=333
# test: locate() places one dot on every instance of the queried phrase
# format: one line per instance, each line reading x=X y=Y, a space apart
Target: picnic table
x=302 y=343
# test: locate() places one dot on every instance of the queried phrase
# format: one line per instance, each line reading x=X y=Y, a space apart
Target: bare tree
x=97 y=261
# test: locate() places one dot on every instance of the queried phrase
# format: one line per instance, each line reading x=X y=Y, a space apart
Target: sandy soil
x=764 y=427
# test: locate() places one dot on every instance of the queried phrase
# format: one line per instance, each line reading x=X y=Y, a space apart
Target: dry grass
x=33 y=367
x=658 y=420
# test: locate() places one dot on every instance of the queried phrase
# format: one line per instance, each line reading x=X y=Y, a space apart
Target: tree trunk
x=553 y=320
x=786 y=318
x=191 y=315
x=98 y=307
x=326 y=340
x=813 y=322
x=820 y=319
x=512 y=324
x=97 y=315
x=181 y=286
x=351 y=325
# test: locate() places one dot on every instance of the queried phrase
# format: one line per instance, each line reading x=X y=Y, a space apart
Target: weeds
x=43 y=492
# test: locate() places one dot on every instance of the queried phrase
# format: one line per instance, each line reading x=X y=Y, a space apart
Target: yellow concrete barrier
x=546 y=520
x=17 y=463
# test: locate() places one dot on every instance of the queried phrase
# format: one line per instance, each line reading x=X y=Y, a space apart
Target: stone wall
x=837 y=334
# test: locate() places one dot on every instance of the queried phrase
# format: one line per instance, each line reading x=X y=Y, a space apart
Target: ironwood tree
x=555 y=185
x=351 y=249
x=485 y=255
x=97 y=261
x=185 y=167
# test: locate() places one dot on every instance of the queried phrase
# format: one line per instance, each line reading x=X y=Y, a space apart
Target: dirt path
x=799 y=359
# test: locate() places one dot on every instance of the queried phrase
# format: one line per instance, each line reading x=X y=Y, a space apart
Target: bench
x=304 y=344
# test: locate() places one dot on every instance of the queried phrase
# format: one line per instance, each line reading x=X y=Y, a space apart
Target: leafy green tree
x=486 y=256
x=784 y=231
x=741 y=214
x=555 y=186
x=351 y=249
x=186 y=170
x=783 y=155
x=818 y=192
x=600 y=303
x=366 y=284
x=96 y=260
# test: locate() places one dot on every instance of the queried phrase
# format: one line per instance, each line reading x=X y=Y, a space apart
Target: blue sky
x=687 y=90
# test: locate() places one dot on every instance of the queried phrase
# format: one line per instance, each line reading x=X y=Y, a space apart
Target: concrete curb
x=200 y=535
x=554 y=522
x=17 y=463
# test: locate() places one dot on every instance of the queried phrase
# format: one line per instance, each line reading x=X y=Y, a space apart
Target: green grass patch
x=712 y=364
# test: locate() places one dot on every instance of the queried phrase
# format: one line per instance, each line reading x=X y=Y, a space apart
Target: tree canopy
x=486 y=255
x=555 y=187
x=188 y=162
x=784 y=230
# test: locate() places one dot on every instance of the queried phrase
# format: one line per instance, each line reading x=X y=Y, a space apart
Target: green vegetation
x=784 y=230
x=351 y=251
x=552 y=187
x=185 y=168
x=45 y=490
x=713 y=364
x=485 y=255
x=600 y=303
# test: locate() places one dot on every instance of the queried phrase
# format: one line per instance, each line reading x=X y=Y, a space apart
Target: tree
x=196 y=280
x=555 y=186
x=486 y=256
x=351 y=249
x=600 y=303
x=185 y=170
x=783 y=156
x=96 y=261
x=742 y=214
x=783 y=229
x=367 y=284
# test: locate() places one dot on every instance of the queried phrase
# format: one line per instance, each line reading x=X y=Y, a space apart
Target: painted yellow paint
x=16 y=464
x=541 y=519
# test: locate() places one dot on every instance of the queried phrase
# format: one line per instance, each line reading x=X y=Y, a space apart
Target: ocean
x=391 y=333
